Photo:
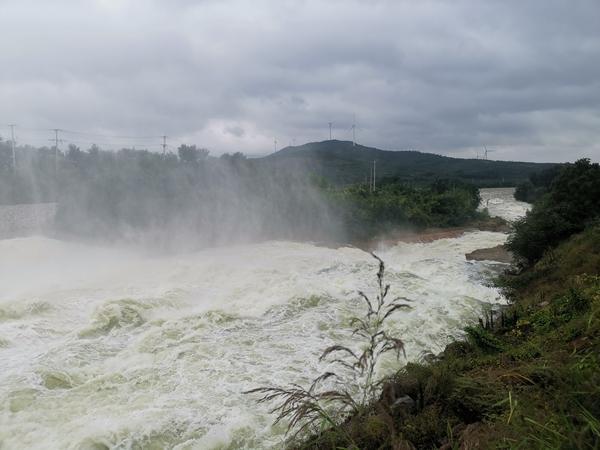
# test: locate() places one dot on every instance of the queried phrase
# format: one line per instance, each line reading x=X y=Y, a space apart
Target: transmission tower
x=374 y=174
x=12 y=146
x=164 y=144
x=56 y=141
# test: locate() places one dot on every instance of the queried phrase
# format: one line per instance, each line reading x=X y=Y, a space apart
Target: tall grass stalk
x=305 y=408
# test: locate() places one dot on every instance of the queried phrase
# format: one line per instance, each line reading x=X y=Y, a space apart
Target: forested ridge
x=343 y=163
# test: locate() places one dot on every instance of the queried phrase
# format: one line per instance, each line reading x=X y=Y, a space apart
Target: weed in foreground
x=355 y=386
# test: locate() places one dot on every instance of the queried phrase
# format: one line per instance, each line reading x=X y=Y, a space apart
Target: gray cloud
x=440 y=76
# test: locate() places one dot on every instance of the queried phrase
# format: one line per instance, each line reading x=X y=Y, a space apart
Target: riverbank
x=425 y=235
x=178 y=337
x=528 y=377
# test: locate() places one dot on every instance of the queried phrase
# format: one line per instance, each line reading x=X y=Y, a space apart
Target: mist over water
x=169 y=202
x=105 y=348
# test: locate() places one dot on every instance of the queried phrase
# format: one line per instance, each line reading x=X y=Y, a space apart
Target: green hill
x=342 y=163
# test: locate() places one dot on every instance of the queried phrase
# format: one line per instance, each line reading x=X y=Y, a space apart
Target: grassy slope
x=530 y=380
x=341 y=163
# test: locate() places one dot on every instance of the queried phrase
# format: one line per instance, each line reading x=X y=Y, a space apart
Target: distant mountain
x=342 y=163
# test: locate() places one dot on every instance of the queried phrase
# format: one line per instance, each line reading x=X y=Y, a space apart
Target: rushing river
x=102 y=348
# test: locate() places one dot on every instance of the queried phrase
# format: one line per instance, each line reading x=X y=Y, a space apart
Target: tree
x=94 y=150
x=572 y=202
x=189 y=154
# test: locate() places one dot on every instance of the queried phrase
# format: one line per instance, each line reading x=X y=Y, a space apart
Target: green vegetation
x=537 y=185
x=341 y=163
x=570 y=205
x=337 y=162
x=137 y=194
x=525 y=377
x=395 y=203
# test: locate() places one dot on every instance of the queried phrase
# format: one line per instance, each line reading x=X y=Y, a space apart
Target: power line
x=115 y=145
x=103 y=144
x=372 y=187
x=92 y=134
x=34 y=129
x=106 y=139
x=111 y=136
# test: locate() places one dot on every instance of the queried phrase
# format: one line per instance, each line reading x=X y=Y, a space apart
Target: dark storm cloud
x=441 y=76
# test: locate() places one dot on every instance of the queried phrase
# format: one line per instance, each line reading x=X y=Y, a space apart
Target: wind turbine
x=353 y=128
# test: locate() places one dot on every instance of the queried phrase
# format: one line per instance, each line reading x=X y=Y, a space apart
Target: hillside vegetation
x=571 y=204
x=341 y=163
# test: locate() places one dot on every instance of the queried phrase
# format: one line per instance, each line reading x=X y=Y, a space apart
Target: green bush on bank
x=571 y=203
x=443 y=203
x=537 y=185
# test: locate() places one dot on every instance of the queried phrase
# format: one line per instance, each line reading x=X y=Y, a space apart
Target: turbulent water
x=102 y=348
x=501 y=202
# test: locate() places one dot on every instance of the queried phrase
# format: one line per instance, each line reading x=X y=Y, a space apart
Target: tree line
x=195 y=198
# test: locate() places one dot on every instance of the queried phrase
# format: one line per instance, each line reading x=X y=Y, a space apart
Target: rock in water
x=498 y=253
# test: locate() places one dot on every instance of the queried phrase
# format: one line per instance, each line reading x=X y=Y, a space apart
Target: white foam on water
x=501 y=202
x=103 y=348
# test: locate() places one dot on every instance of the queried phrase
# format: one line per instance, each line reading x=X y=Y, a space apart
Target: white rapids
x=501 y=202
x=108 y=349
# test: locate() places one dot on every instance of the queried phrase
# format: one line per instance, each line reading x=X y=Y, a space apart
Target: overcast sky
x=522 y=77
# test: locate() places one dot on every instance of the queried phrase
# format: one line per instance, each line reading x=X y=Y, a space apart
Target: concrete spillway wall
x=23 y=220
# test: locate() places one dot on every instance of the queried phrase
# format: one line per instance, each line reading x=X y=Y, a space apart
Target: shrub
x=571 y=204
x=483 y=339
x=537 y=185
